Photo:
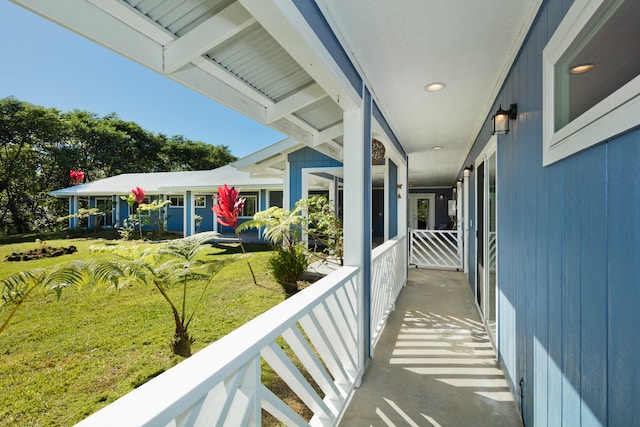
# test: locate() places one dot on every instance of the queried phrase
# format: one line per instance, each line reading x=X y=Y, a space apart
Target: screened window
x=200 y=201
x=250 y=206
x=177 y=201
x=592 y=76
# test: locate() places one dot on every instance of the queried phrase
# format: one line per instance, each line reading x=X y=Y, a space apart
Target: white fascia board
x=284 y=146
x=94 y=23
x=206 y=36
x=284 y=22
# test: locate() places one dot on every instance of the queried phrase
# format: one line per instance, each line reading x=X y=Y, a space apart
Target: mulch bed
x=42 y=252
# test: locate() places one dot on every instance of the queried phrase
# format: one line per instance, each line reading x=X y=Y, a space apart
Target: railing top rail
x=433 y=231
x=167 y=395
x=378 y=250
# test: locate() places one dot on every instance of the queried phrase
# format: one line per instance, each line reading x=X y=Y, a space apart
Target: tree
x=179 y=154
x=26 y=134
x=173 y=264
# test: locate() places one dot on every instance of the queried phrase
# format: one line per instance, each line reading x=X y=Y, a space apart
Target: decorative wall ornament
x=377 y=151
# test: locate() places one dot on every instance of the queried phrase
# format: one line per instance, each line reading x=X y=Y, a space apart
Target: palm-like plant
x=19 y=287
x=172 y=264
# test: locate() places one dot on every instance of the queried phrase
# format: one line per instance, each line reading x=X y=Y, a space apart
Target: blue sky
x=45 y=64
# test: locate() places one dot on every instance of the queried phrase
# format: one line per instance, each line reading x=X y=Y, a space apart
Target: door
x=422 y=213
x=486 y=239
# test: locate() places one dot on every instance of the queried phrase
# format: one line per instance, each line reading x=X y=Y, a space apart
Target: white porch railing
x=436 y=249
x=222 y=384
x=388 y=276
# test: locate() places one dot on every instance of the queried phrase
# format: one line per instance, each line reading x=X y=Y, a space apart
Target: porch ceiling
x=258 y=57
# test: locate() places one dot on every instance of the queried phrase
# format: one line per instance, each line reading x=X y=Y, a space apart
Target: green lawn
x=61 y=360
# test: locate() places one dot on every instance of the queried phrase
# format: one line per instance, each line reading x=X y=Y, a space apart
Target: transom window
x=591 y=76
x=177 y=201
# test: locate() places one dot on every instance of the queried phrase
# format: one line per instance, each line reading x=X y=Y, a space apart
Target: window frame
x=617 y=113
x=197 y=198
x=177 y=205
x=255 y=205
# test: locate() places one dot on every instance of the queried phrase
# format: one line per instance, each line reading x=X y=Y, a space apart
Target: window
x=177 y=201
x=200 y=202
x=250 y=205
x=591 y=77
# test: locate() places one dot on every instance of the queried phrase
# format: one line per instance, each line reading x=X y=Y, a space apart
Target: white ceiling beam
x=133 y=18
x=92 y=22
x=331 y=149
x=206 y=36
x=295 y=102
x=284 y=22
x=328 y=134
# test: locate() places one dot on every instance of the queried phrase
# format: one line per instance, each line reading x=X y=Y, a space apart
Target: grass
x=62 y=360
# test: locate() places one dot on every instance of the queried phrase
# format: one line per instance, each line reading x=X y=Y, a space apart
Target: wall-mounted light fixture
x=398 y=185
x=469 y=168
x=500 y=121
x=399 y=196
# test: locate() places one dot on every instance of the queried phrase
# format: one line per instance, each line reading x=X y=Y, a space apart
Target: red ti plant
x=138 y=193
x=228 y=208
x=76 y=176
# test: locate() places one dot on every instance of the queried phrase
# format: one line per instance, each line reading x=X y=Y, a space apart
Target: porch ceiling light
x=435 y=86
x=581 y=68
x=500 y=121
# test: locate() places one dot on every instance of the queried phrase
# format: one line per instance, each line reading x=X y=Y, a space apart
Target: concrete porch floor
x=434 y=364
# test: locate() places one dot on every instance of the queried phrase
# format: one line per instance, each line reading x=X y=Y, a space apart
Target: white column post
x=286 y=187
x=461 y=246
x=357 y=214
x=465 y=220
x=386 y=194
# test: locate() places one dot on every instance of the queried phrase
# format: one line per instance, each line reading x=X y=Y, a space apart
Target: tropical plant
x=19 y=287
x=228 y=208
x=172 y=264
x=284 y=230
x=324 y=227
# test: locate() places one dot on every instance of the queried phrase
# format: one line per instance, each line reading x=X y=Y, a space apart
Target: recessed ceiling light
x=437 y=147
x=581 y=68
x=435 y=86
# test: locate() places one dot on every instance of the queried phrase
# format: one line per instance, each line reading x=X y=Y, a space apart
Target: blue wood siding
x=175 y=218
x=305 y=158
x=441 y=203
x=393 y=200
x=568 y=260
x=206 y=213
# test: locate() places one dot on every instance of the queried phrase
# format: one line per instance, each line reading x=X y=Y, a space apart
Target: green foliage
x=17 y=288
x=324 y=227
x=288 y=266
x=63 y=360
x=38 y=147
x=165 y=266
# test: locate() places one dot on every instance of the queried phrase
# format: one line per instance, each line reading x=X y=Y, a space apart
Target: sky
x=45 y=64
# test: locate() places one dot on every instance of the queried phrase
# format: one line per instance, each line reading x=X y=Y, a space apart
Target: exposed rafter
x=206 y=36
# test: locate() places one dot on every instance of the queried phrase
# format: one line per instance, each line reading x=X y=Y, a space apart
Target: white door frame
x=413 y=209
x=490 y=148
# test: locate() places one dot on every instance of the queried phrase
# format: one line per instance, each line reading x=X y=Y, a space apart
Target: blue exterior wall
x=441 y=206
x=305 y=158
x=393 y=200
x=175 y=219
x=568 y=260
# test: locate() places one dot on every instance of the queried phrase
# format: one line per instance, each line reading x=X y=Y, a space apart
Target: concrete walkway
x=434 y=364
